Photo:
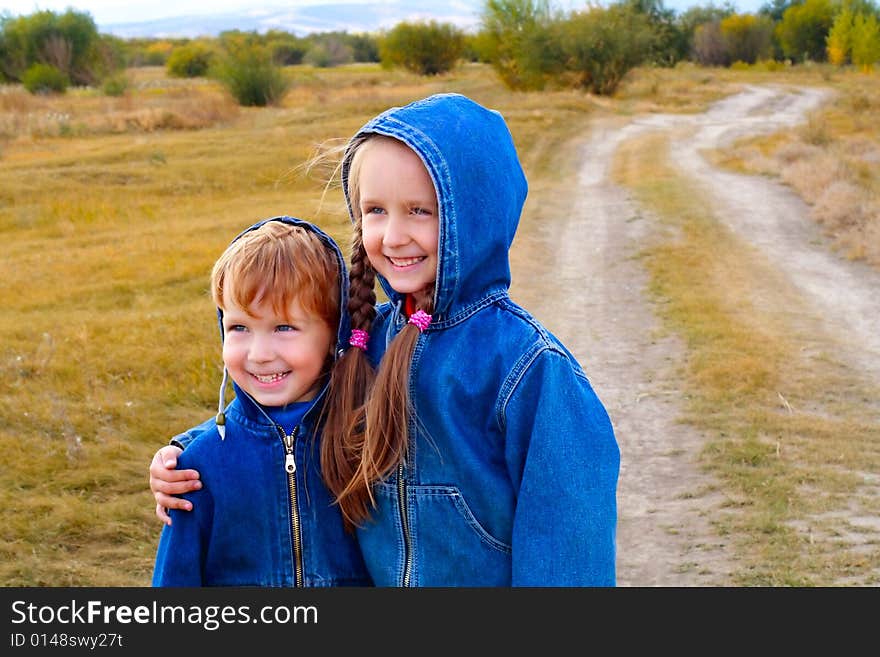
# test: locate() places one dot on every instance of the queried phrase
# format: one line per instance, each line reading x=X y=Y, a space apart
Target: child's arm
x=562 y=453
x=166 y=482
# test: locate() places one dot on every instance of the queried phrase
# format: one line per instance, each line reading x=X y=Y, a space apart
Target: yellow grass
x=112 y=211
x=791 y=435
x=833 y=161
x=109 y=340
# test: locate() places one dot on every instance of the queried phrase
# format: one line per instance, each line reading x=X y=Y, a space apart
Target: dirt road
x=595 y=293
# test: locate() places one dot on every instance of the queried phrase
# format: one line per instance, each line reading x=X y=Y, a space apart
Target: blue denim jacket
x=254 y=523
x=511 y=470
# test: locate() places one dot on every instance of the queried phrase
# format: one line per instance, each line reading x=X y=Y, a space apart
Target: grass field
x=112 y=211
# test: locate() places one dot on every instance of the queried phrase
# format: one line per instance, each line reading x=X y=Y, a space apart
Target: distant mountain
x=351 y=17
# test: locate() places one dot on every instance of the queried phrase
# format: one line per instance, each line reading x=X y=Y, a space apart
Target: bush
x=804 y=30
x=519 y=40
x=364 y=47
x=425 y=48
x=839 y=42
x=693 y=20
x=747 y=38
x=288 y=54
x=115 y=85
x=709 y=48
x=147 y=52
x=327 y=52
x=604 y=44
x=671 y=41
x=192 y=60
x=69 y=42
x=157 y=53
x=250 y=76
x=45 y=79
x=865 y=41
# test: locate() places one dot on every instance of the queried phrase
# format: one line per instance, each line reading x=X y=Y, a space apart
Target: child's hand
x=166 y=482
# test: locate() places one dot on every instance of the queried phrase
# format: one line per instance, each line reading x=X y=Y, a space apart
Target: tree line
x=530 y=44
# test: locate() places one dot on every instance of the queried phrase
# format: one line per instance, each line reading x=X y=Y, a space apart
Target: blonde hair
x=280 y=263
x=367 y=413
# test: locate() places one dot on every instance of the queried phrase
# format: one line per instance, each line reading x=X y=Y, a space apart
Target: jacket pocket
x=432 y=499
x=450 y=546
x=442 y=541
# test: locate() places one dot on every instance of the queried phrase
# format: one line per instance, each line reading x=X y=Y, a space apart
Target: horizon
x=109 y=15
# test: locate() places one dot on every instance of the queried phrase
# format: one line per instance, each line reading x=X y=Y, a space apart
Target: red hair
x=279 y=263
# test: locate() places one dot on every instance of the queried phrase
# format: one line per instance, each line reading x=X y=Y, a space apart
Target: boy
x=263 y=516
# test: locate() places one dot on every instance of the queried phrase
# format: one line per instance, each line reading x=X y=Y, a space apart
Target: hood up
x=341 y=331
x=481 y=188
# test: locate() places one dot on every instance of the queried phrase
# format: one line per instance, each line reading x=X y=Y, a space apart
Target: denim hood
x=481 y=188
x=342 y=330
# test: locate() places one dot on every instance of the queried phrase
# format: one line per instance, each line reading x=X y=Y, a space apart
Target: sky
x=108 y=11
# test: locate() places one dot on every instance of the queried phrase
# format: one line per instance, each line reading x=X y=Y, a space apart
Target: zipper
x=399 y=323
x=404 y=523
x=290 y=467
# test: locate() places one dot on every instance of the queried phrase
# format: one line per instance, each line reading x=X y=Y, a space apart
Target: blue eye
x=236 y=327
x=285 y=327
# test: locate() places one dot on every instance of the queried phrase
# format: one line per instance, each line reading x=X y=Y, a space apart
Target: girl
x=480 y=454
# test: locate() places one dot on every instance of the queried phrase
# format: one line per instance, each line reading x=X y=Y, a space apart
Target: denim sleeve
x=182 y=546
x=562 y=453
x=181 y=440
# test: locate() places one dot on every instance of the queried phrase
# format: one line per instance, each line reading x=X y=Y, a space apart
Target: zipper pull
x=289 y=444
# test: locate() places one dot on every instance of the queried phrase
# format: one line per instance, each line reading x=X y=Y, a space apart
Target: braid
x=351 y=379
x=362 y=295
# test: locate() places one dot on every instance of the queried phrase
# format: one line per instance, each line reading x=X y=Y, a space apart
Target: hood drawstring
x=221 y=416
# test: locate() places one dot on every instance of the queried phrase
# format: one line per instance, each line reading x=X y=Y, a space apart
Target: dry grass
x=110 y=226
x=832 y=162
x=686 y=88
x=153 y=103
x=109 y=343
x=791 y=434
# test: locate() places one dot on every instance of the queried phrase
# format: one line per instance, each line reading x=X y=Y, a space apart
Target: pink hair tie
x=421 y=319
x=359 y=338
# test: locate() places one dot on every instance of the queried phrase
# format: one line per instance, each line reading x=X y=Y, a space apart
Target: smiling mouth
x=405 y=262
x=270 y=378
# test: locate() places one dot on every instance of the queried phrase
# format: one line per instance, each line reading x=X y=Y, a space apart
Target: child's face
x=277 y=360
x=399 y=217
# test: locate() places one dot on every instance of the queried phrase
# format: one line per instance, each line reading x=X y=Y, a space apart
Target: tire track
x=595 y=294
